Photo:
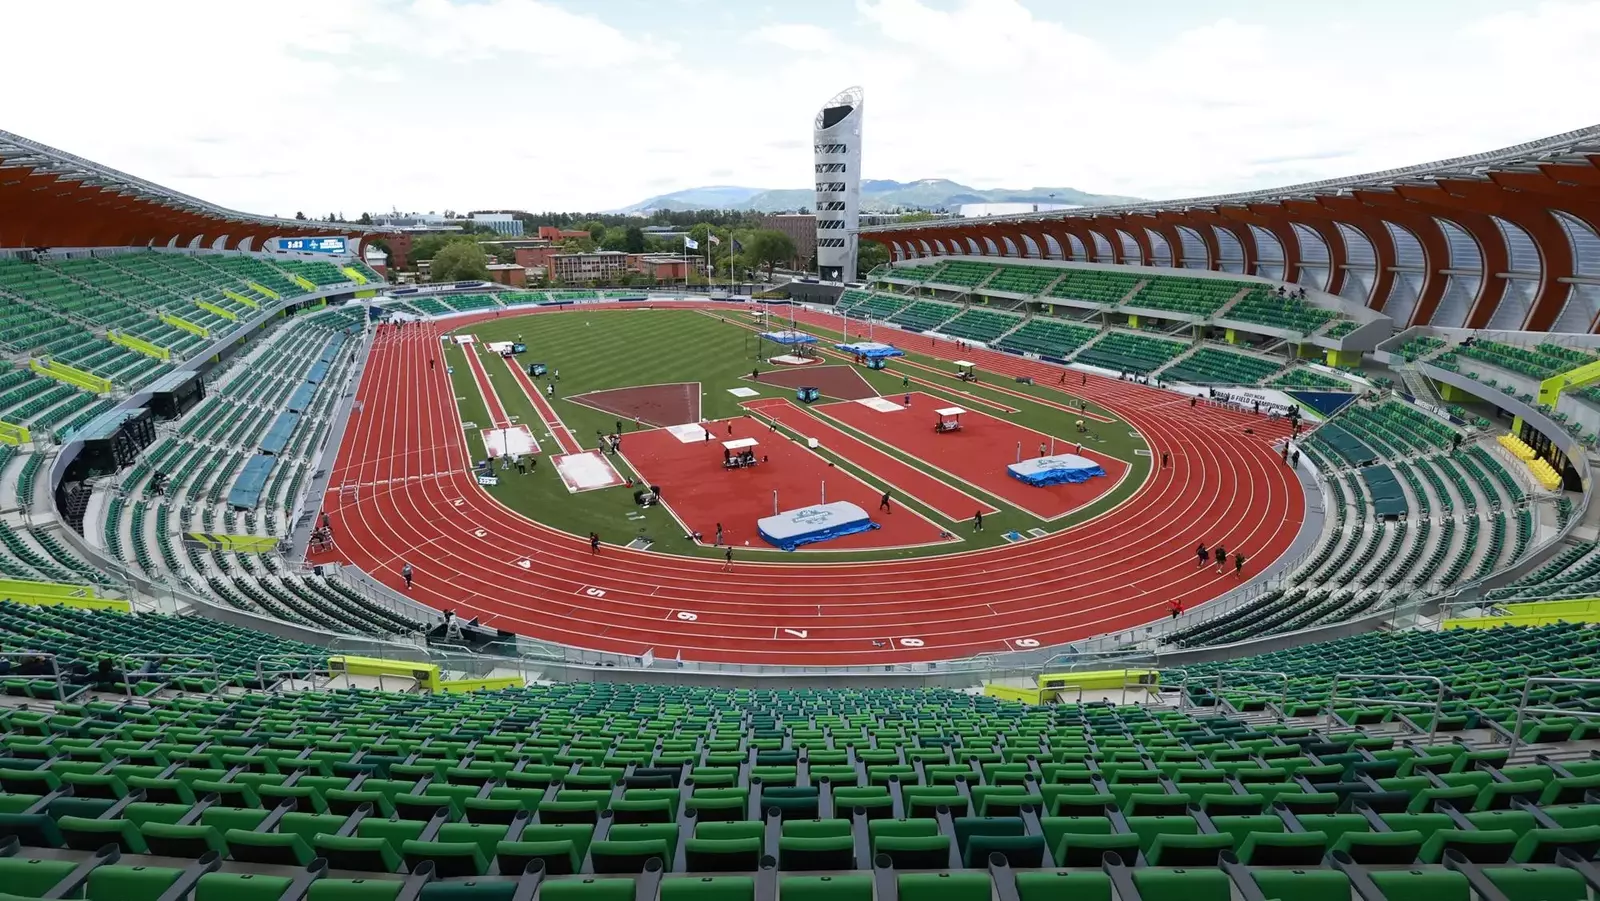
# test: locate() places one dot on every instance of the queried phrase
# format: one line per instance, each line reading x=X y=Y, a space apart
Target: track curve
x=420 y=504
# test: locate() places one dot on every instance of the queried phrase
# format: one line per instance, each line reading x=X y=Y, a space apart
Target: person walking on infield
x=1222 y=558
x=522 y=468
x=884 y=503
x=550 y=389
x=594 y=543
x=406 y=573
x=977 y=521
x=1238 y=564
x=905 y=381
x=1203 y=554
x=719 y=533
x=727 y=559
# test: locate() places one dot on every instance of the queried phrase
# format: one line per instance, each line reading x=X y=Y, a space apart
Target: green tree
x=633 y=239
x=869 y=256
x=299 y=215
x=366 y=219
x=769 y=247
x=458 y=261
x=614 y=239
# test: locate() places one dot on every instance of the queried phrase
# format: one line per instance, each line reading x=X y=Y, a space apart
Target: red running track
x=418 y=503
x=946 y=499
x=701 y=493
x=979 y=452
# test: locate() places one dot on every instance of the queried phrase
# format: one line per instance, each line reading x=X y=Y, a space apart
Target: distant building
x=608 y=266
x=801 y=229
x=600 y=265
x=529 y=257
x=376 y=260
x=551 y=233
x=508 y=274
x=502 y=223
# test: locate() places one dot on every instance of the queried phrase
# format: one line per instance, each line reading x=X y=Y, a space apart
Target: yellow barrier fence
x=242 y=544
x=263 y=289
x=213 y=308
x=58 y=594
x=426 y=674
x=235 y=296
x=178 y=322
x=1534 y=613
x=61 y=372
x=354 y=273
x=303 y=282
x=139 y=345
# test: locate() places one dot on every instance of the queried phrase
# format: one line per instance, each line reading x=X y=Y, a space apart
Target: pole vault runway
x=1117 y=571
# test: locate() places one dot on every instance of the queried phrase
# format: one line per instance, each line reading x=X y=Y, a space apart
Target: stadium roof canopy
x=51 y=198
x=1504 y=239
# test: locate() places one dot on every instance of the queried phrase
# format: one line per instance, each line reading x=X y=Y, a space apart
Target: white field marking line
x=870 y=440
x=910 y=494
x=787 y=555
x=581 y=400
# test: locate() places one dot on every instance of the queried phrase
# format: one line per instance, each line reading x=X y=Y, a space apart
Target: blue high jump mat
x=1055 y=470
x=794 y=528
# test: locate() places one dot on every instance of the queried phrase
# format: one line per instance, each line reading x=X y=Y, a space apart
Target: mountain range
x=877 y=195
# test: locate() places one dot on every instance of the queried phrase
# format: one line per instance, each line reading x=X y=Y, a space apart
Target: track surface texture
x=701 y=493
x=420 y=504
x=979 y=452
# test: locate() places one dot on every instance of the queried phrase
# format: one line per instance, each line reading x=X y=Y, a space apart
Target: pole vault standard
x=824 y=492
x=774 y=502
x=1019 y=451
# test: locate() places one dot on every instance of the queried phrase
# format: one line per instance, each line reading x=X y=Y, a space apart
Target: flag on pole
x=737 y=247
x=714 y=239
x=690 y=243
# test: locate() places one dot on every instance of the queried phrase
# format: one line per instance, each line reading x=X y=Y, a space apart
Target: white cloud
x=804 y=38
x=428 y=104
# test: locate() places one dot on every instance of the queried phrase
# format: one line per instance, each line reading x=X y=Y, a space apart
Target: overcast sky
x=356 y=105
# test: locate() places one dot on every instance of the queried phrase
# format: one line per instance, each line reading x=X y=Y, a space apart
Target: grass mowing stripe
x=601 y=349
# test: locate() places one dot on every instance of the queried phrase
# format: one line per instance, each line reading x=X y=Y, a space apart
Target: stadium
x=1237 y=546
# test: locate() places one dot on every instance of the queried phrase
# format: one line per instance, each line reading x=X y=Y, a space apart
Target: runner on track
x=1202 y=554
x=406 y=573
x=884 y=503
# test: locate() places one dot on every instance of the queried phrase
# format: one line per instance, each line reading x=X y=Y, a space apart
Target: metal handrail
x=1437 y=705
x=320 y=663
x=1283 y=694
x=215 y=673
x=1523 y=709
x=55 y=668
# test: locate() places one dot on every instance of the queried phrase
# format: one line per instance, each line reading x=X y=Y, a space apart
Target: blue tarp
x=246 y=492
x=332 y=351
x=1387 y=498
x=301 y=398
x=792 y=528
x=1325 y=402
x=317 y=373
x=871 y=349
x=277 y=437
x=1056 y=470
x=789 y=337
